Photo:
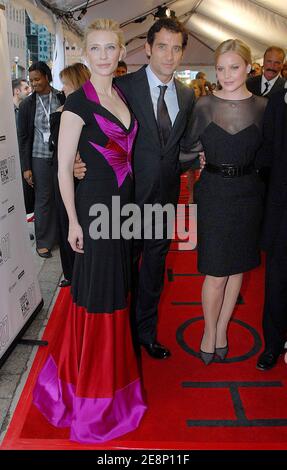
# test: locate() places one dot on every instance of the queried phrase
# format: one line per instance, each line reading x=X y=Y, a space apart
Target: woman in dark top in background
x=35 y=154
x=72 y=77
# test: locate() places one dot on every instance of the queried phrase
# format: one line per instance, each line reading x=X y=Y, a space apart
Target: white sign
x=19 y=289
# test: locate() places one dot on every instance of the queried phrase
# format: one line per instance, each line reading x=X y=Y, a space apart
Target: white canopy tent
x=260 y=23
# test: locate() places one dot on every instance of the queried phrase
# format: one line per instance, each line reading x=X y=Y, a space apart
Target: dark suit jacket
x=156 y=169
x=254 y=85
x=274 y=154
x=26 y=117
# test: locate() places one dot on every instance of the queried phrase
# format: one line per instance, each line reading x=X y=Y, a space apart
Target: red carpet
x=227 y=405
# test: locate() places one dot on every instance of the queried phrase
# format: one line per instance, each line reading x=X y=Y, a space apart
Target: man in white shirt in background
x=271 y=81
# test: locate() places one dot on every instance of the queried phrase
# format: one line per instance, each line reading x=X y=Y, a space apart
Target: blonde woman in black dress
x=229 y=193
x=90 y=382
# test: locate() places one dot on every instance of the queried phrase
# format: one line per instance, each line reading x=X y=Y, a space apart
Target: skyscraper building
x=15 y=17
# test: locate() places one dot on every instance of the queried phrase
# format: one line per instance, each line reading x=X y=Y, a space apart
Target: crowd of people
x=131 y=136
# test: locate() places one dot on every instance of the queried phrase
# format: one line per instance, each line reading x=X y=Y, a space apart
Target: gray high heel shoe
x=221 y=352
x=206 y=357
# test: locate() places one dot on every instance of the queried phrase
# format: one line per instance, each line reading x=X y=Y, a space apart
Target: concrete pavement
x=14 y=372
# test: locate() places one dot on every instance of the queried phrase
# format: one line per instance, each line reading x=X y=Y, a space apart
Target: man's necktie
x=163 y=119
x=267 y=84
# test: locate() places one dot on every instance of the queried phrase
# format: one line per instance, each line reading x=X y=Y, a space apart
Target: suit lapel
x=285 y=120
x=143 y=97
x=180 y=115
x=258 y=87
x=179 y=90
x=277 y=85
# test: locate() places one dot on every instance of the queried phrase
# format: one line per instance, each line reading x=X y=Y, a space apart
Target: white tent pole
x=201 y=41
x=59 y=56
x=270 y=10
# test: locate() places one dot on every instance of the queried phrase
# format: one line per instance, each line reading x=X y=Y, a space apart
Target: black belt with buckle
x=229 y=171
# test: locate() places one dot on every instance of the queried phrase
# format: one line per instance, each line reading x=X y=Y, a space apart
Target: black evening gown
x=90 y=381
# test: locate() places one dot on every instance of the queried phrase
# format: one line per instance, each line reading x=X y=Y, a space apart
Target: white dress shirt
x=170 y=96
x=271 y=83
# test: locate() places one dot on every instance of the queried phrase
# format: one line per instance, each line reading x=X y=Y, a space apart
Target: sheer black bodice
x=231 y=118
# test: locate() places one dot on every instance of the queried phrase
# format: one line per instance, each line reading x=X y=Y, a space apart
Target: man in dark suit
x=162 y=105
x=21 y=90
x=271 y=81
x=268 y=84
x=274 y=152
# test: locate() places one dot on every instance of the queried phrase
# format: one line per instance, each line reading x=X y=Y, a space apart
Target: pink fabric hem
x=91 y=420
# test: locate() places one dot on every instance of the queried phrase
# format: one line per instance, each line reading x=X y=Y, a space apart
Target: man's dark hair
x=170 y=24
x=16 y=83
x=277 y=49
x=43 y=68
x=121 y=63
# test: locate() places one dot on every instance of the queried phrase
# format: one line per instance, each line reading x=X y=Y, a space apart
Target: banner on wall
x=20 y=294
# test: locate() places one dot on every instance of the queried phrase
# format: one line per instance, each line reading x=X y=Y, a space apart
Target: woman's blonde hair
x=234 y=45
x=77 y=74
x=196 y=82
x=105 y=24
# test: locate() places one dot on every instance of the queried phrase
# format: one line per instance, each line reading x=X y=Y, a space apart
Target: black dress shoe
x=45 y=254
x=156 y=350
x=267 y=360
x=65 y=283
